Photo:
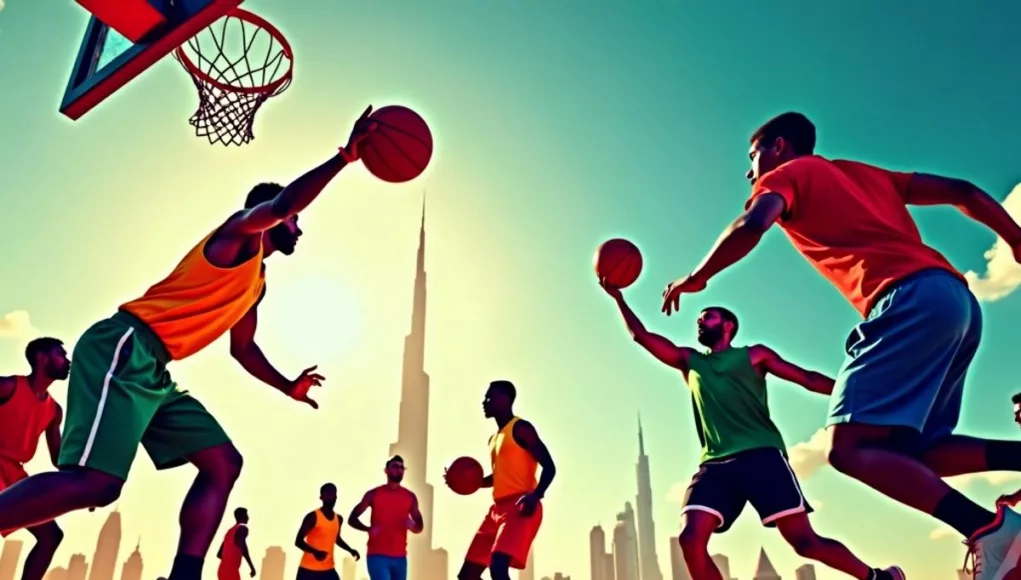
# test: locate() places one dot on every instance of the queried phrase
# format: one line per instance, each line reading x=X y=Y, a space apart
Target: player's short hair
x=262 y=193
x=797 y=131
x=41 y=346
x=727 y=316
x=395 y=459
x=1016 y=399
x=328 y=487
x=505 y=387
x=240 y=513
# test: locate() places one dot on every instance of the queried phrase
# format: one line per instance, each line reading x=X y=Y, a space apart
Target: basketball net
x=237 y=64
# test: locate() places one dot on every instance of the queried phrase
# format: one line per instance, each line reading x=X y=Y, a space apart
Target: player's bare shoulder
x=760 y=355
x=7 y=386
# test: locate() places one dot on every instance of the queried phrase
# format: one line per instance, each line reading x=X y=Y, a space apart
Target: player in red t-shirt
x=898 y=395
x=394 y=513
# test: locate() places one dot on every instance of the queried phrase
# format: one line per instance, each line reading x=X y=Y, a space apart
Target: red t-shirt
x=391 y=508
x=851 y=222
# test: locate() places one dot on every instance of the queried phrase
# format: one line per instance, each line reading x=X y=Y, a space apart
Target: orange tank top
x=322 y=537
x=199 y=302
x=230 y=557
x=514 y=468
x=391 y=508
x=23 y=419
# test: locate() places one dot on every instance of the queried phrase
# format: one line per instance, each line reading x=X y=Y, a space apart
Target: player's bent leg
x=44 y=497
x=797 y=531
x=47 y=539
x=499 y=566
x=471 y=571
x=697 y=526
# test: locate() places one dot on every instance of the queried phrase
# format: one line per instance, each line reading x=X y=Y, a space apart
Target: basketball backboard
x=107 y=59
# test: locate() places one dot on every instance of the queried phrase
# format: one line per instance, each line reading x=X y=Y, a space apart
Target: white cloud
x=1003 y=274
x=16 y=324
x=942 y=533
x=1 y=4
x=676 y=493
x=809 y=456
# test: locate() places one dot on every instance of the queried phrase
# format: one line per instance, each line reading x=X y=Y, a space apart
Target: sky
x=557 y=125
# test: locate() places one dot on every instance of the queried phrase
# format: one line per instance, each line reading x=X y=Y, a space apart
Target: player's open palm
x=305 y=381
x=363 y=126
x=613 y=291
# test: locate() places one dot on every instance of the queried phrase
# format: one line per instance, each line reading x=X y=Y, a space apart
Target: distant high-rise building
x=764 y=570
x=678 y=567
x=425 y=562
x=597 y=553
x=609 y=568
x=132 y=569
x=273 y=564
x=9 y=559
x=648 y=562
x=625 y=545
x=723 y=565
x=57 y=573
x=77 y=568
x=964 y=575
x=349 y=568
x=806 y=572
x=559 y=576
x=108 y=546
x=529 y=572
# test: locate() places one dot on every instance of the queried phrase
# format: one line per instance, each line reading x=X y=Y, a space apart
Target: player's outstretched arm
x=307 y=525
x=359 y=509
x=53 y=436
x=658 y=346
x=741 y=237
x=770 y=362
x=416 y=516
x=528 y=438
x=926 y=189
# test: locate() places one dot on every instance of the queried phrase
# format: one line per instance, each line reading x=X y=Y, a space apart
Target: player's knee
x=48 y=536
x=222 y=464
x=98 y=489
x=693 y=541
x=805 y=545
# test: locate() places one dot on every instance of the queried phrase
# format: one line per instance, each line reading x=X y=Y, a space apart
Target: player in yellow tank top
x=120 y=393
x=505 y=536
x=318 y=534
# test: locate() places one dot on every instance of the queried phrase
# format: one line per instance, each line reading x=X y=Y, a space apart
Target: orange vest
x=514 y=468
x=230 y=557
x=199 y=302
x=23 y=419
x=322 y=537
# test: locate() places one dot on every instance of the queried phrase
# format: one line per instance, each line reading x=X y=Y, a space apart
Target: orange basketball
x=618 y=262
x=400 y=147
x=464 y=476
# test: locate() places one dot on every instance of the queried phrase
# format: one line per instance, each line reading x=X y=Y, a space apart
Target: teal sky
x=557 y=125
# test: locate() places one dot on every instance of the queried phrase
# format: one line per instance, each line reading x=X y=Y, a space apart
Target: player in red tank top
x=394 y=513
x=27 y=412
x=234 y=549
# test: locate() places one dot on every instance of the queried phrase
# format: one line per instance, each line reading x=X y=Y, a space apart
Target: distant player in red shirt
x=26 y=413
x=898 y=395
x=234 y=549
x=394 y=513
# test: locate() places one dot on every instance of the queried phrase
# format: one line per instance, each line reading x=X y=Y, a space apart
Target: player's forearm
x=981 y=207
x=818 y=383
x=737 y=241
x=487 y=482
x=302 y=191
x=631 y=321
x=549 y=471
x=343 y=545
x=248 y=560
x=419 y=523
x=302 y=545
x=356 y=523
x=252 y=359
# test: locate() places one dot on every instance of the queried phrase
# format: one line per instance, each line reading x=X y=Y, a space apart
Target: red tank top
x=230 y=557
x=23 y=419
x=391 y=508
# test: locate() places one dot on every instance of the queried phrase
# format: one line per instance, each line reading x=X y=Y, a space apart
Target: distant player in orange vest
x=394 y=513
x=121 y=394
x=319 y=532
x=27 y=412
x=235 y=548
x=508 y=530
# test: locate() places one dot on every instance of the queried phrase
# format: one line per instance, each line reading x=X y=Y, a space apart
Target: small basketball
x=618 y=262
x=400 y=147
x=464 y=476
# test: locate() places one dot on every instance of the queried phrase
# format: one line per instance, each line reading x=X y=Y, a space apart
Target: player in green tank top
x=744 y=459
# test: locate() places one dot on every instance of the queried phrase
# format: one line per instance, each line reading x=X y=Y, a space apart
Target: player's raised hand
x=301 y=385
x=613 y=291
x=363 y=126
x=672 y=295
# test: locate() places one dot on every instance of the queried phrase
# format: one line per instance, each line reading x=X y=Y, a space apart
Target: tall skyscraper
x=77 y=568
x=764 y=570
x=273 y=564
x=648 y=562
x=561 y=576
x=349 y=568
x=10 y=558
x=625 y=545
x=132 y=569
x=424 y=561
x=58 y=573
x=678 y=567
x=597 y=555
x=529 y=572
x=104 y=560
x=723 y=565
x=806 y=572
x=963 y=575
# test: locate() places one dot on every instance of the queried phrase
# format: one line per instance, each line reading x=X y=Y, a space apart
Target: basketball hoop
x=231 y=86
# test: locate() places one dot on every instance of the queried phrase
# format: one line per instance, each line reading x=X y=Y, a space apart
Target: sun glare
x=313 y=317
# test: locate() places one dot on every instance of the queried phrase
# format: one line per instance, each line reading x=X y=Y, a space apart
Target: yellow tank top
x=514 y=468
x=199 y=302
x=322 y=537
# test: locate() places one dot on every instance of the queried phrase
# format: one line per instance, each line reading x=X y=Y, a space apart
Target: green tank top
x=729 y=399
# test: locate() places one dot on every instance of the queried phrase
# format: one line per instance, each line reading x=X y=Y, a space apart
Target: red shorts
x=506 y=531
x=10 y=473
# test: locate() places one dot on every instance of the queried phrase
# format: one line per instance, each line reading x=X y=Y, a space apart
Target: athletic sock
x=873 y=574
x=962 y=514
x=186 y=567
x=1003 y=455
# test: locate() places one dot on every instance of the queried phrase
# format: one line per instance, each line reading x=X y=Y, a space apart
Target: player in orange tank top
x=394 y=513
x=120 y=393
x=234 y=549
x=318 y=534
x=897 y=398
x=505 y=536
x=28 y=412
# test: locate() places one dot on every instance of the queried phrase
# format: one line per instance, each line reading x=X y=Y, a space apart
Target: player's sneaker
x=891 y=573
x=995 y=550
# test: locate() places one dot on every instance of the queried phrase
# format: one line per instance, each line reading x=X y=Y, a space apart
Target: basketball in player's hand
x=464 y=476
x=618 y=263
x=400 y=147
